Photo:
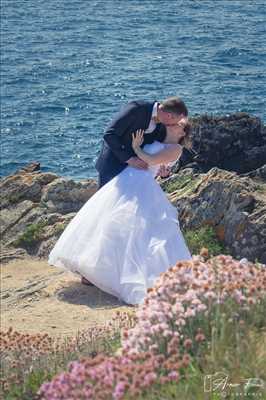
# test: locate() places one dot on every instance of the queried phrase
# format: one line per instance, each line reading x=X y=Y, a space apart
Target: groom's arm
x=118 y=148
x=118 y=127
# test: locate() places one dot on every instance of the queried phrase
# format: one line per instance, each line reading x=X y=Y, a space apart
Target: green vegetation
x=26 y=370
x=30 y=386
x=261 y=188
x=235 y=352
x=183 y=183
x=234 y=348
x=204 y=237
x=32 y=234
x=60 y=228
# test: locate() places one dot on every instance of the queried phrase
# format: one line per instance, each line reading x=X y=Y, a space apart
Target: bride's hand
x=137 y=138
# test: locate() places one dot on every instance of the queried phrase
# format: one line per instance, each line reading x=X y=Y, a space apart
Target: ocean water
x=69 y=65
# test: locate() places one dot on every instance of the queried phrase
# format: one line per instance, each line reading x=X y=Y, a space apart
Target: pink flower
x=210 y=295
x=174 y=376
x=188 y=343
x=190 y=313
x=119 y=391
x=201 y=307
x=164 y=329
x=150 y=378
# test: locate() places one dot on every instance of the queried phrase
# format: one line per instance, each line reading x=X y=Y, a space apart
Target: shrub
x=204 y=237
x=179 y=183
x=32 y=234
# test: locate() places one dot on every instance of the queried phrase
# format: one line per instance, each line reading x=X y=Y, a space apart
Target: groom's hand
x=137 y=163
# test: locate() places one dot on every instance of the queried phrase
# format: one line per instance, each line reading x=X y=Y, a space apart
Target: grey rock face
x=236 y=142
x=65 y=195
x=259 y=173
x=25 y=186
x=234 y=206
x=35 y=209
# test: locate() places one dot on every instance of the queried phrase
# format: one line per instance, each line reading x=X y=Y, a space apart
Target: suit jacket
x=117 y=144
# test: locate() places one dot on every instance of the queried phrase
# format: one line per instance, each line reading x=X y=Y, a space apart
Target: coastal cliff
x=36 y=206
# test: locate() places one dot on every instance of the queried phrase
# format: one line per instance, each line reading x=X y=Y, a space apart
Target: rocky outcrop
x=234 y=206
x=235 y=142
x=35 y=208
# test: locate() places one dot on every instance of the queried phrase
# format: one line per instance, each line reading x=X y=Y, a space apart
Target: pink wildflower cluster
x=187 y=292
x=110 y=377
x=21 y=353
x=160 y=344
x=17 y=351
x=12 y=340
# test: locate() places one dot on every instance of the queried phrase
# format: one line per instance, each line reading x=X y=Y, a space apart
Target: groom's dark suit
x=117 y=144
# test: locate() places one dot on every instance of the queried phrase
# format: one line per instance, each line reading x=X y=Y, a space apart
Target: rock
x=52 y=233
x=8 y=254
x=26 y=186
x=25 y=227
x=236 y=142
x=36 y=207
x=32 y=167
x=65 y=195
x=234 y=206
x=10 y=216
x=259 y=173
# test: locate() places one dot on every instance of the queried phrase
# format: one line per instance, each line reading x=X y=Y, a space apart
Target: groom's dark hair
x=174 y=105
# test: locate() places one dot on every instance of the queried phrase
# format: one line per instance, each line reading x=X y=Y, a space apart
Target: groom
x=117 y=151
x=152 y=117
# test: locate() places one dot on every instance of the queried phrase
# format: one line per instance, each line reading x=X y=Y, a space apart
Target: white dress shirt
x=152 y=124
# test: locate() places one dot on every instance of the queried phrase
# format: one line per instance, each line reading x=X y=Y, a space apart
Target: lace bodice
x=153 y=148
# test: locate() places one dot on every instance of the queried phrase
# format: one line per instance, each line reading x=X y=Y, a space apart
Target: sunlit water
x=68 y=66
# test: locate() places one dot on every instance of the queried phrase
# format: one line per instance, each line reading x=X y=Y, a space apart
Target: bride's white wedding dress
x=124 y=236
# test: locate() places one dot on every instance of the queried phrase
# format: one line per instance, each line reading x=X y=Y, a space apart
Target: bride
x=128 y=232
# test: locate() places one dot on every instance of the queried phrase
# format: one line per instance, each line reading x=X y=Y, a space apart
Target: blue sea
x=69 y=65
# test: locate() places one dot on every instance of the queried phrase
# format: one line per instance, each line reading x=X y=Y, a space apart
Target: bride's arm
x=162 y=157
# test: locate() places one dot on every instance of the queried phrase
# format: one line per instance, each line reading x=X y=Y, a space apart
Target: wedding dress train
x=124 y=236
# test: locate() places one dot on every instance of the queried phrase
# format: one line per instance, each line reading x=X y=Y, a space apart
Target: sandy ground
x=36 y=297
